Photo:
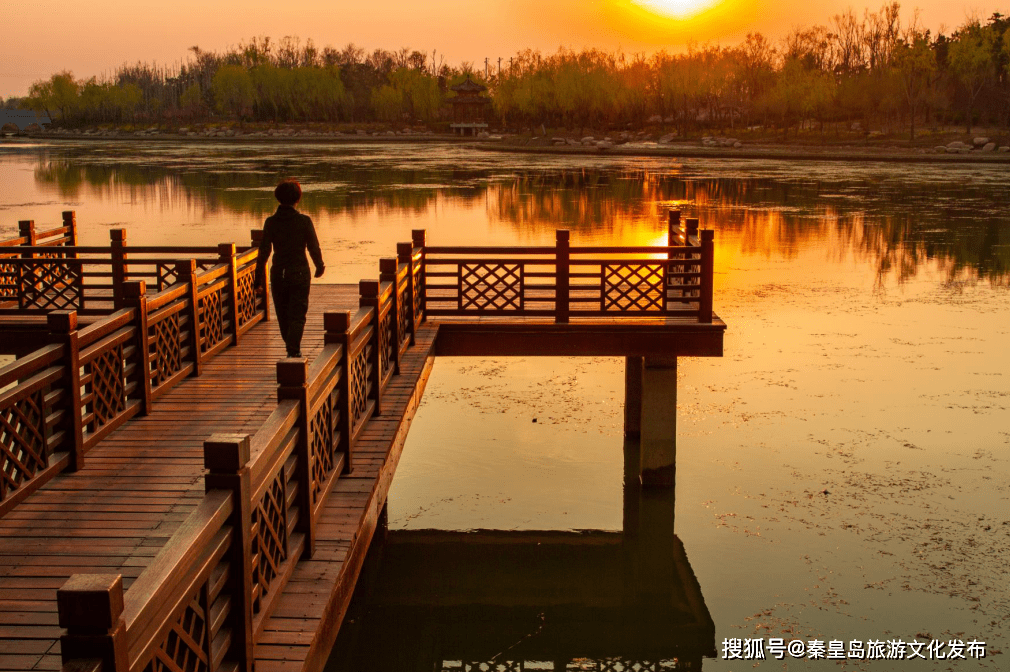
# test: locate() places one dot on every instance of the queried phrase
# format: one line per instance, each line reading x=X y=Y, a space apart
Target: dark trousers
x=290 y=290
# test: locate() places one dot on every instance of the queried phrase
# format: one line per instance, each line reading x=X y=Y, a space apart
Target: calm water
x=842 y=471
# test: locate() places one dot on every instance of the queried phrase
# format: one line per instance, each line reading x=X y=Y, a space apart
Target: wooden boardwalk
x=143 y=480
x=177 y=496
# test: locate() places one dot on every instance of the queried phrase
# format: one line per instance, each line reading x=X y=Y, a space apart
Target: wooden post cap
x=292 y=371
x=117 y=235
x=90 y=602
x=226 y=249
x=337 y=322
x=69 y=215
x=404 y=251
x=134 y=288
x=226 y=452
x=61 y=321
x=368 y=288
x=256 y=236
x=387 y=265
x=562 y=235
x=708 y=235
x=417 y=237
x=674 y=217
x=185 y=267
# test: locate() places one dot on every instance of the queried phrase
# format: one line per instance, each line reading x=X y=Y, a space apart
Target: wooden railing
x=205 y=598
x=90 y=280
x=61 y=236
x=61 y=400
x=565 y=281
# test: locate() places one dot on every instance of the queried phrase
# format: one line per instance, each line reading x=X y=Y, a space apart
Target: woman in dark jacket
x=289 y=233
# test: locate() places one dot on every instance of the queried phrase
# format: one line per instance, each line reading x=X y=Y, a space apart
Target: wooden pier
x=176 y=496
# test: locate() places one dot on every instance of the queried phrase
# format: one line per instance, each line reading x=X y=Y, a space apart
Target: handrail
x=565 y=281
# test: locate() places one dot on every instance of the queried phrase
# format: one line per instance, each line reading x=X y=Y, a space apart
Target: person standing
x=289 y=233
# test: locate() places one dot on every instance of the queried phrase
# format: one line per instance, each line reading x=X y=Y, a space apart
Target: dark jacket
x=290 y=233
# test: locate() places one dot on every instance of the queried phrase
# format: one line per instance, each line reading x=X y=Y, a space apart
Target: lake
x=843 y=472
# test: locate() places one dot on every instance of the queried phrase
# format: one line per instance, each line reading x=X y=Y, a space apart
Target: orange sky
x=95 y=37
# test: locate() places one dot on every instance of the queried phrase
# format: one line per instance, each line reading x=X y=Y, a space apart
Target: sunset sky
x=95 y=37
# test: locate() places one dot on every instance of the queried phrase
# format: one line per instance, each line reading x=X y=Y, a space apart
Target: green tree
x=970 y=59
x=915 y=63
x=233 y=90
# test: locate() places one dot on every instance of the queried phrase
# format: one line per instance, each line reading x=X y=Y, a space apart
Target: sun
x=675 y=9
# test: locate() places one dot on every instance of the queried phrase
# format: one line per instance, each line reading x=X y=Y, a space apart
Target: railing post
x=135 y=297
x=226 y=457
x=70 y=221
x=387 y=273
x=26 y=230
x=369 y=297
x=562 y=268
x=673 y=232
x=292 y=383
x=405 y=255
x=417 y=236
x=185 y=270
x=119 y=270
x=62 y=325
x=226 y=255
x=256 y=236
x=707 y=275
x=337 y=330
x=692 y=229
x=90 y=608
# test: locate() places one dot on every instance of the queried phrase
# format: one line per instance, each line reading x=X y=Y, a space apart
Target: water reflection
x=513 y=600
x=897 y=224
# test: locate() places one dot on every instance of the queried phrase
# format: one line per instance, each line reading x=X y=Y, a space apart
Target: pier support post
x=649 y=517
x=658 y=437
x=90 y=608
x=633 y=370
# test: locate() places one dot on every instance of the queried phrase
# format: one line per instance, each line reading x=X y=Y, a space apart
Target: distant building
x=23 y=119
x=469 y=108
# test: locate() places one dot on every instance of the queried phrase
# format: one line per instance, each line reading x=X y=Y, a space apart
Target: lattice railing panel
x=211 y=320
x=387 y=345
x=50 y=285
x=359 y=386
x=22 y=442
x=245 y=297
x=403 y=314
x=270 y=544
x=186 y=648
x=166 y=355
x=633 y=287
x=417 y=290
x=491 y=286
x=168 y=276
x=324 y=443
x=108 y=385
x=8 y=280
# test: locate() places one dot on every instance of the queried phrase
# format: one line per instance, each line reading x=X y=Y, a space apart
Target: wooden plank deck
x=141 y=482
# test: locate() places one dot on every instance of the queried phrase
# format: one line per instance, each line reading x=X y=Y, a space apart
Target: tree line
x=869 y=71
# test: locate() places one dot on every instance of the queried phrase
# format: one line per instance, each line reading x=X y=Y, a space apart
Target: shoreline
x=679 y=150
